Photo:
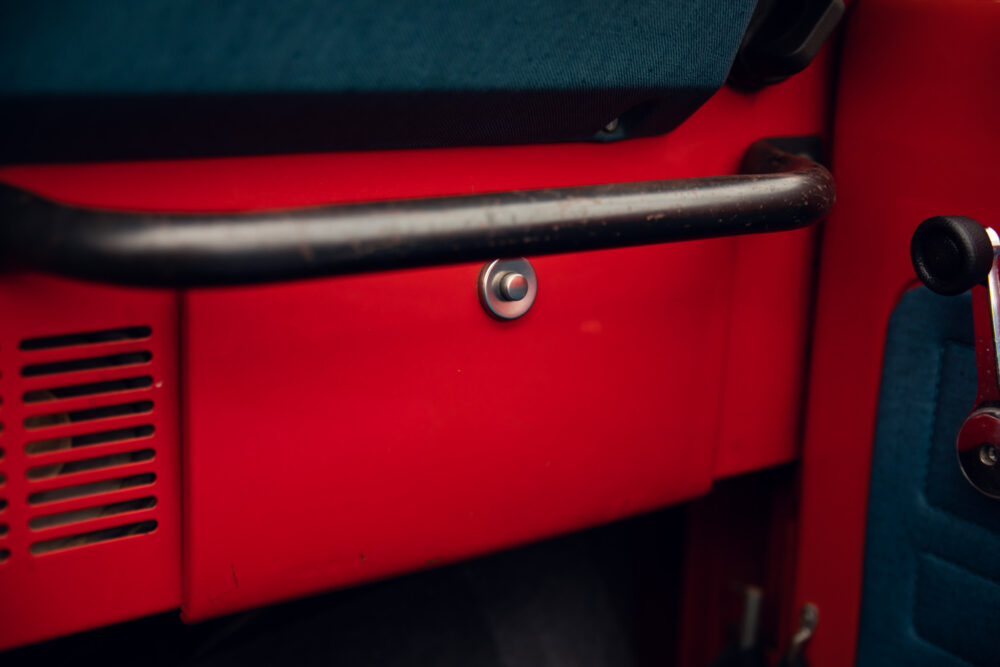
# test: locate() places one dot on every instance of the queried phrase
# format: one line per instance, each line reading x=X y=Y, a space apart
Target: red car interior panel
x=428 y=430
x=915 y=136
x=417 y=430
x=90 y=522
x=345 y=429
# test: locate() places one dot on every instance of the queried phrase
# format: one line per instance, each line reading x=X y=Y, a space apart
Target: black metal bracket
x=782 y=39
x=781 y=191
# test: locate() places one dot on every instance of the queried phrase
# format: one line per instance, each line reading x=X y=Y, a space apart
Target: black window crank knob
x=951 y=253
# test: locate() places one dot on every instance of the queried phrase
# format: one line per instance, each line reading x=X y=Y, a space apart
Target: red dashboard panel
x=409 y=429
x=340 y=430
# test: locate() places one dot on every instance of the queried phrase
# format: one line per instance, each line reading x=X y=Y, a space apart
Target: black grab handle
x=781 y=191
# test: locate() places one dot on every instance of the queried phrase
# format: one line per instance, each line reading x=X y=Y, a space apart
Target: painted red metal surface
x=341 y=430
x=915 y=136
x=48 y=594
x=409 y=429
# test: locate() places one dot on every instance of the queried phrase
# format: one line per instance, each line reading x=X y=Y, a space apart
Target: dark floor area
x=606 y=596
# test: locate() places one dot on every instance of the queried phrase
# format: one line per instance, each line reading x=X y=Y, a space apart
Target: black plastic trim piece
x=782 y=39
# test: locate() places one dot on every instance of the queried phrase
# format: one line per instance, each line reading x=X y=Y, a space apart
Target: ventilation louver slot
x=93 y=537
x=96 y=512
x=86 y=364
x=88 y=417
x=90 y=439
x=88 y=389
x=86 y=338
x=88 y=414
x=90 y=488
x=4 y=527
x=95 y=463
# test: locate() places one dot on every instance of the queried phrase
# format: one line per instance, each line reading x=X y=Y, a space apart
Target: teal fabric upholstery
x=132 y=77
x=932 y=558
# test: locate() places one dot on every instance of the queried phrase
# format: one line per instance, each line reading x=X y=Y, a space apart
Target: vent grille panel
x=4 y=526
x=90 y=451
x=87 y=444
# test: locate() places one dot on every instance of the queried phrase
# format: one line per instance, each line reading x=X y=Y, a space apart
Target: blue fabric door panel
x=955 y=609
x=932 y=557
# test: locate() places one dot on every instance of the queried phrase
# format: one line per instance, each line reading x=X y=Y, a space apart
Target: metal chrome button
x=988 y=455
x=507 y=288
x=512 y=286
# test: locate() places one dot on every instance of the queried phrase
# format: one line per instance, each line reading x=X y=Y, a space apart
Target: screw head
x=512 y=286
x=507 y=287
x=988 y=454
